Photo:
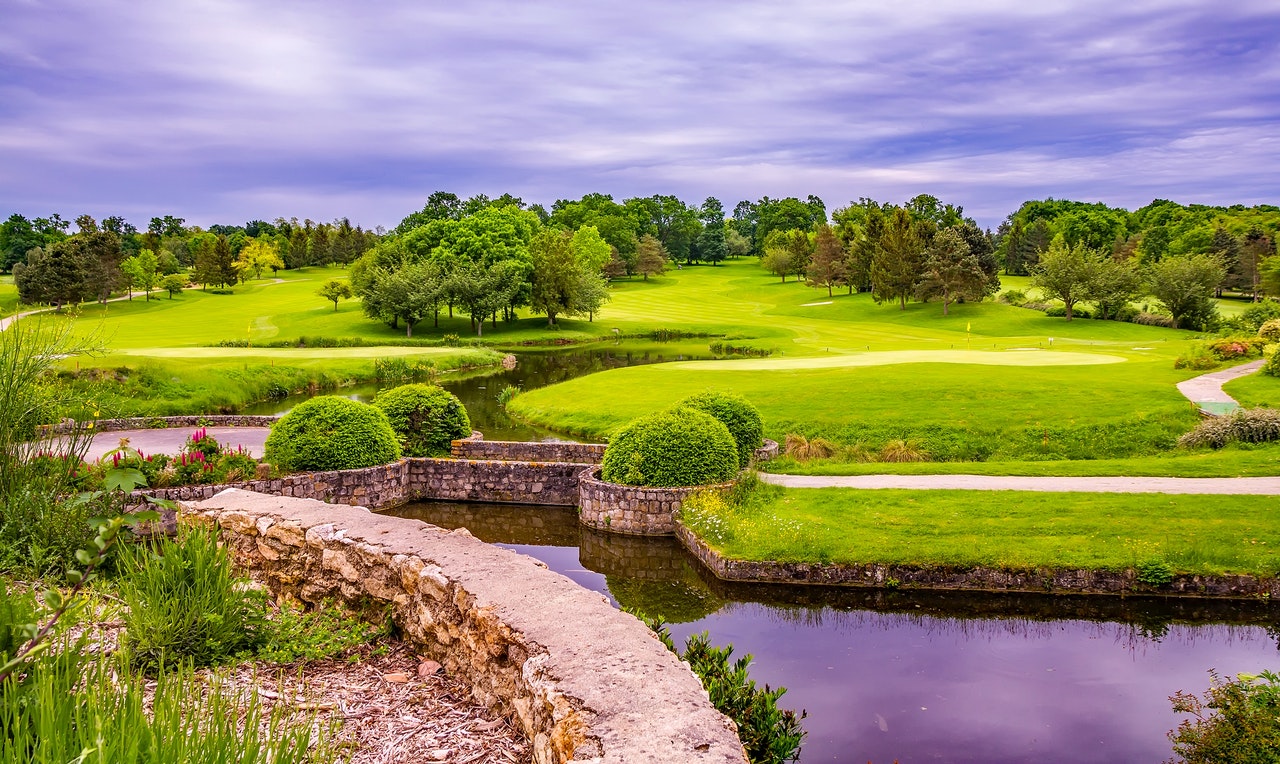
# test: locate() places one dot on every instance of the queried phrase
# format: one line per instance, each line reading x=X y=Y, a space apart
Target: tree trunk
x=902 y=302
x=945 y=301
x=829 y=290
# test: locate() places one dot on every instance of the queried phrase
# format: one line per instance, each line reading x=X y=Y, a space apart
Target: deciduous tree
x=827 y=266
x=1064 y=272
x=334 y=290
x=1184 y=286
x=951 y=271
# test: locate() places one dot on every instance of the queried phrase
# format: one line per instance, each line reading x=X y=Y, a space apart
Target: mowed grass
x=1233 y=461
x=1001 y=529
x=8 y=296
x=1255 y=390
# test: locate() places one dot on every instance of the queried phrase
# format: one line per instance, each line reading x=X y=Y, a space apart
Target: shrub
x=427 y=418
x=1272 y=366
x=679 y=447
x=1198 y=358
x=1245 y=425
x=1270 y=330
x=331 y=433
x=1260 y=313
x=1231 y=348
x=1012 y=297
x=295 y=634
x=1237 y=721
x=802 y=449
x=1153 y=319
x=1059 y=311
x=899 y=451
x=742 y=419
x=185 y=604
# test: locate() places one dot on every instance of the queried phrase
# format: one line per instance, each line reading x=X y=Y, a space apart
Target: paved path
x=1258 y=486
x=1206 y=390
x=170 y=441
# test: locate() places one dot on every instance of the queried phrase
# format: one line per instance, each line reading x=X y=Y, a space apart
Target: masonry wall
x=494 y=481
x=581 y=453
x=585 y=681
x=631 y=509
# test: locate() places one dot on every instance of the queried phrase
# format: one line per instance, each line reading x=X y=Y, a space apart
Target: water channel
x=885 y=675
x=916 y=677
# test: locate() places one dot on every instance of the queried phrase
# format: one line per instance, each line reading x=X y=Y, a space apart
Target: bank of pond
x=905 y=675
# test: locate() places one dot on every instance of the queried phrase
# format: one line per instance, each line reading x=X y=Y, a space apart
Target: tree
x=896 y=259
x=173 y=284
x=18 y=236
x=651 y=258
x=334 y=290
x=1064 y=272
x=102 y=256
x=787 y=253
x=1269 y=275
x=827 y=267
x=951 y=271
x=204 y=250
x=555 y=274
x=224 y=262
x=1113 y=285
x=257 y=255
x=143 y=271
x=1184 y=286
x=735 y=244
x=56 y=274
x=407 y=294
x=712 y=246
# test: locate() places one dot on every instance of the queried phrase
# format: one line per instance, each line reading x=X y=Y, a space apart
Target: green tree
x=334 y=290
x=896 y=260
x=951 y=271
x=1064 y=272
x=827 y=266
x=173 y=283
x=651 y=258
x=407 y=294
x=1113 y=285
x=712 y=246
x=555 y=274
x=17 y=238
x=1184 y=286
x=143 y=272
x=735 y=244
x=56 y=274
x=256 y=256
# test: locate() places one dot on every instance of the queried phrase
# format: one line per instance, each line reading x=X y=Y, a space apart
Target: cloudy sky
x=224 y=111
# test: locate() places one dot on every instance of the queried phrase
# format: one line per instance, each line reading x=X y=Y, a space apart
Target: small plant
x=900 y=451
x=680 y=447
x=1272 y=366
x=802 y=449
x=186 y=605
x=1198 y=358
x=1155 y=572
x=330 y=432
x=451 y=340
x=770 y=735
x=294 y=634
x=1236 y=721
x=425 y=417
x=507 y=394
x=1270 y=329
x=391 y=369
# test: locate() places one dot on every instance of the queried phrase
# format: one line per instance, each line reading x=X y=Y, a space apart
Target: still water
x=912 y=677
x=478 y=390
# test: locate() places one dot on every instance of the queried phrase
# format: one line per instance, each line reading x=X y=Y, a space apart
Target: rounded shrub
x=427 y=418
x=1270 y=330
x=680 y=447
x=331 y=433
x=742 y=419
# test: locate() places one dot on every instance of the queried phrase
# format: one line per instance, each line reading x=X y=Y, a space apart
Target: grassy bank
x=8 y=296
x=1255 y=390
x=999 y=529
x=123 y=385
x=1233 y=461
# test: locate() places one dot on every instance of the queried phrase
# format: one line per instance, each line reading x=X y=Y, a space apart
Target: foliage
x=739 y=416
x=1232 y=348
x=1272 y=367
x=950 y=271
x=679 y=447
x=720 y=347
x=294 y=634
x=331 y=433
x=1269 y=330
x=1184 y=286
x=897 y=451
x=426 y=418
x=1065 y=273
x=173 y=284
x=185 y=605
x=143 y=271
x=802 y=449
x=1236 y=721
x=1260 y=425
x=1198 y=357
x=770 y=735
x=334 y=290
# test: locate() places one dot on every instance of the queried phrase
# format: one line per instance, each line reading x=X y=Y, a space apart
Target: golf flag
x=968 y=326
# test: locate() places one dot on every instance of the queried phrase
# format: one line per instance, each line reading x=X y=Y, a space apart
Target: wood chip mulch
x=390 y=706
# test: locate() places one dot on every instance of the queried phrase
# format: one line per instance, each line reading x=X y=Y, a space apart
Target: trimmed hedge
x=331 y=433
x=680 y=447
x=742 y=419
x=427 y=418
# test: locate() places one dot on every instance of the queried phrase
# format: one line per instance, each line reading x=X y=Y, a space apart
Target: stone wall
x=161 y=422
x=579 y=453
x=631 y=509
x=767 y=450
x=494 y=481
x=584 y=681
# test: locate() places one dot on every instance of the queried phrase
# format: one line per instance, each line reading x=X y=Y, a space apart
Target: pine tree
x=896 y=260
x=951 y=270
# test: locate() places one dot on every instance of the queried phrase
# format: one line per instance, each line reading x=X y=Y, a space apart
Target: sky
x=221 y=111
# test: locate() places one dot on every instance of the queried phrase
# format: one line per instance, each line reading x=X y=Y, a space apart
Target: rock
x=428 y=668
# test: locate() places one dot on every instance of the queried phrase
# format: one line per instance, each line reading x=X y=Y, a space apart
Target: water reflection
x=920 y=676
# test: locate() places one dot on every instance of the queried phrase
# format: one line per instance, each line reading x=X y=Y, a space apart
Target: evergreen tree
x=951 y=270
x=225 y=263
x=827 y=266
x=651 y=258
x=896 y=260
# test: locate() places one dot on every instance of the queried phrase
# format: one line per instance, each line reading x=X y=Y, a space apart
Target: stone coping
x=585 y=681
x=975 y=578
x=641 y=510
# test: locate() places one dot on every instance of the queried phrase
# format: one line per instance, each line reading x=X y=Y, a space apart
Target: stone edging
x=162 y=422
x=767 y=451
x=552 y=451
x=977 y=578
x=632 y=509
x=584 y=681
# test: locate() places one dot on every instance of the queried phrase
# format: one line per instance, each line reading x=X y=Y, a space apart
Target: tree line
x=51 y=265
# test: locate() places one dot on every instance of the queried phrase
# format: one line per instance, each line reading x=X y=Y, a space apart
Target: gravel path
x=1258 y=486
x=1207 y=388
x=169 y=441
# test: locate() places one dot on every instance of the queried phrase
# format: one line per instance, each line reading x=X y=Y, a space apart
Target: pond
x=911 y=676
x=478 y=390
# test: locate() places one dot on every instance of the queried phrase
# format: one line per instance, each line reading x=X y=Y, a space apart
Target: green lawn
x=1235 y=461
x=1255 y=390
x=1000 y=529
x=8 y=296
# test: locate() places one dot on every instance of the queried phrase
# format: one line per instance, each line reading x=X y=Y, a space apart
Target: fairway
x=1011 y=357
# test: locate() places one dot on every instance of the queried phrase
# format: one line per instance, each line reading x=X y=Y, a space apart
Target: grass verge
x=1212 y=535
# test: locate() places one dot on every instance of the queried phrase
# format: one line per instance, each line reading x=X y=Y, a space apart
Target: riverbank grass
x=1213 y=535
